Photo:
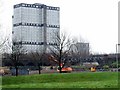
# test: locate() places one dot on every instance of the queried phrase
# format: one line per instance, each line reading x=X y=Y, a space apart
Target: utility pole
x=117 y=55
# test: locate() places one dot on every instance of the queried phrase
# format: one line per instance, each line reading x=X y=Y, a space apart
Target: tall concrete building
x=35 y=26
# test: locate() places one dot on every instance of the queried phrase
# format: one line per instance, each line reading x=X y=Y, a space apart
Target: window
x=49 y=7
x=34 y=24
x=33 y=6
x=28 y=5
x=58 y=9
x=20 y=23
x=41 y=6
x=23 y=5
x=41 y=24
x=41 y=43
x=12 y=32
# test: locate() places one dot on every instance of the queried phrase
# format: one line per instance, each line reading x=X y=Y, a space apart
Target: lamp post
x=117 y=55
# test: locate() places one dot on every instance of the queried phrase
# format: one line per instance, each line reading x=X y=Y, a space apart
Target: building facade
x=80 y=48
x=36 y=26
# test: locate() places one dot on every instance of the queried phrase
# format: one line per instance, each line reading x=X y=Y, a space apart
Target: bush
x=106 y=67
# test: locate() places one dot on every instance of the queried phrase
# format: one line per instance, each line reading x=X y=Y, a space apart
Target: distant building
x=118 y=48
x=90 y=64
x=35 y=26
x=80 y=48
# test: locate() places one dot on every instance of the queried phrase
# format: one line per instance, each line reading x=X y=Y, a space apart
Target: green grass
x=64 y=80
x=0 y=82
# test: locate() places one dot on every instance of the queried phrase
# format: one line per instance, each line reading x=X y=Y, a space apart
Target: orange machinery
x=93 y=69
x=64 y=69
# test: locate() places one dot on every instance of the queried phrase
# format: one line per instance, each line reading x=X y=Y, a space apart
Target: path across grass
x=64 y=80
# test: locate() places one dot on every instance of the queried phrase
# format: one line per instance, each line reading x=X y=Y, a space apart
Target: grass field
x=64 y=80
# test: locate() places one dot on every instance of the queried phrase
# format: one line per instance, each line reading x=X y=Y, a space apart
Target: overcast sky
x=95 y=21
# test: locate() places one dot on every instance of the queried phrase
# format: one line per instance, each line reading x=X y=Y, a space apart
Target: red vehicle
x=64 y=69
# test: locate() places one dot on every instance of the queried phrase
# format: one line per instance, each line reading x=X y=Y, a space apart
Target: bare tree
x=37 y=56
x=3 y=43
x=3 y=47
x=61 y=48
x=4 y=38
x=17 y=51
